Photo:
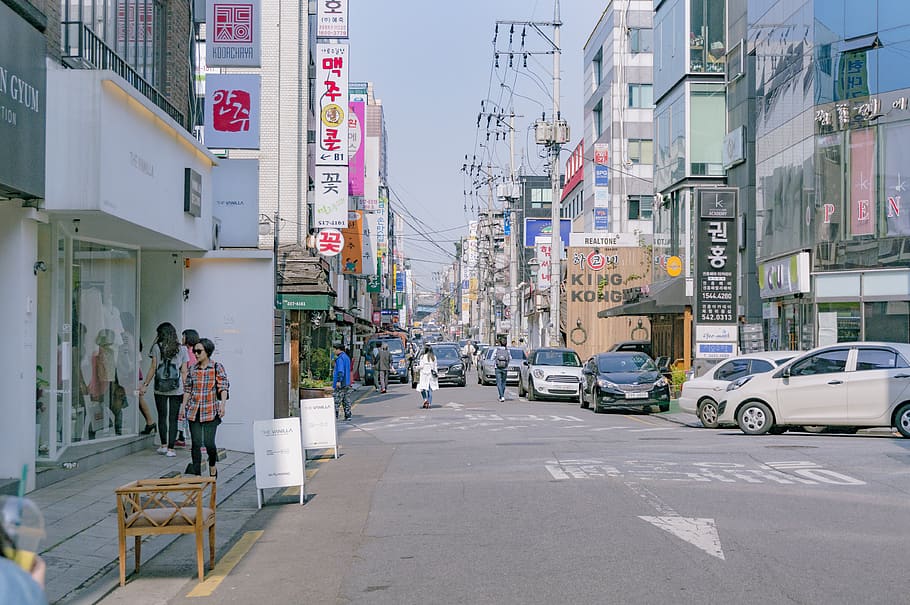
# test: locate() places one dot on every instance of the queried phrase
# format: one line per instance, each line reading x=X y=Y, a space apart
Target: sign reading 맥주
x=278 y=455
x=233 y=33
x=332 y=93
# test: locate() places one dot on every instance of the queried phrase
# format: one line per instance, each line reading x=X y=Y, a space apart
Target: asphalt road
x=476 y=501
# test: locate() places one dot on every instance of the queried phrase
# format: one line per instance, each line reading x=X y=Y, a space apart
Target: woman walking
x=168 y=370
x=204 y=398
x=428 y=376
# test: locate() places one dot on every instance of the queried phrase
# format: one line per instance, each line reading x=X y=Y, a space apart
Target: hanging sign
x=717 y=252
x=233 y=33
x=331 y=18
x=232 y=109
x=330 y=206
x=332 y=90
x=329 y=242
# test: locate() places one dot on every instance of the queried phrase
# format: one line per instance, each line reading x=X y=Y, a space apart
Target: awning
x=667 y=297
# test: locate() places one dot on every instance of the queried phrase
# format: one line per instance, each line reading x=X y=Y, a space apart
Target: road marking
x=637 y=419
x=453 y=405
x=226 y=564
x=666 y=428
x=699 y=532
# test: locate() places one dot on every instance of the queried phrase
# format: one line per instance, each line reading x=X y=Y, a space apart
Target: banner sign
x=601 y=219
x=235 y=189
x=352 y=257
x=543 y=248
x=601 y=155
x=278 y=455
x=541 y=226
x=356 y=150
x=329 y=242
x=233 y=33
x=330 y=208
x=331 y=18
x=232 y=110
x=601 y=176
x=332 y=91
x=715 y=280
x=603 y=240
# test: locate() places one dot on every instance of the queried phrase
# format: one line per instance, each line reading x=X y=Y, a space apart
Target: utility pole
x=514 y=320
x=555 y=240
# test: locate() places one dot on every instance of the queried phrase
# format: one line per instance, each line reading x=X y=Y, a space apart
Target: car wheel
x=664 y=407
x=902 y=419
x=582 y=403
x=532 y=396
x=707 y=413
x=755 y=418
x=814 y=428
x=594 y=405
x=521 y=389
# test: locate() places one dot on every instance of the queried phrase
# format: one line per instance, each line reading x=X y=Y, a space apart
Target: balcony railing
x=82 y=49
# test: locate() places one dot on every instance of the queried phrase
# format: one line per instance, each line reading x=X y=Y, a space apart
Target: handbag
x=434 y=373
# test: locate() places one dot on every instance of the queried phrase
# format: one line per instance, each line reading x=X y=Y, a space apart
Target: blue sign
x=399 y=282
x=541 y=226
x=507 y=225
x=601 y=176
x=601 y=219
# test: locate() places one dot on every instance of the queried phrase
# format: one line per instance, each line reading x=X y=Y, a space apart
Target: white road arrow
x=700 y=532
x=453 y=405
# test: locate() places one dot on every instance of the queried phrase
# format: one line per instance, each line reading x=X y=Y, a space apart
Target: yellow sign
x=674 y=266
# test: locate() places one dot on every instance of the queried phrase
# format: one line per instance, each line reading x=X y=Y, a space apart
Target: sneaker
x=171 y=454
x=347 y=418
x=162 y=449
x=180 y=443
x=502 y=399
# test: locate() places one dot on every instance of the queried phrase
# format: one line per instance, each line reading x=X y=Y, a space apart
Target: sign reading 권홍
x=233 y=33
x=715 y=280
x=278 y=455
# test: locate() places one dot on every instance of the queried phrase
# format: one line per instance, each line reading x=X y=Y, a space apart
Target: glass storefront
x=92 y=325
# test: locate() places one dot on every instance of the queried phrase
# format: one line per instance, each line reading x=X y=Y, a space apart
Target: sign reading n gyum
x=331 y=18
x=332 y=91
x=233 y=33
x=717 y=255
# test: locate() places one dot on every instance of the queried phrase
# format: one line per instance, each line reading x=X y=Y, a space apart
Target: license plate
x=633 y=395
x=442 y=371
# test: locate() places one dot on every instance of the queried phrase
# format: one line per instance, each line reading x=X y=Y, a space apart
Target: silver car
x=550 y=372
x=486 y=373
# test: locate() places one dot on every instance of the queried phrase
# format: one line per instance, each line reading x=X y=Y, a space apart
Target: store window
x=887 y=321
x=640 y=207
x=839 y=322
x=541 y=198
x=708 y=101
x=641 y=96
x=641 y=151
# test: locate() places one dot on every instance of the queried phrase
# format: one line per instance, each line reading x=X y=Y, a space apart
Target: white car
x=701 y=395
x=850 y=384
x=550 y=373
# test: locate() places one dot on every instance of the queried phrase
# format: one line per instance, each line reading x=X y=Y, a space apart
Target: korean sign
x=331 y=18
x=329 y=242
x=352 y=259
x=233 y=38
x=542 y=244
x=717 y=255
x=331 y=200
x=356 y=148
x=332 y=90
x=232 y=111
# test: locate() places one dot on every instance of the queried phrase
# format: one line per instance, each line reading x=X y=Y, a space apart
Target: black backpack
x=502 y=358
x=167 y=376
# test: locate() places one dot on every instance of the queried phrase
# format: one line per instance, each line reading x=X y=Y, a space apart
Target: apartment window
x=641 y=151
x=640 y=207
x=597 y=116
x=541 y=198
x=641 y=40
x=641 y=95
x=597 y=68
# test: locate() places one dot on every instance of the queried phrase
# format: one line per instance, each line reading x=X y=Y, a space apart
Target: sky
x=431 y=65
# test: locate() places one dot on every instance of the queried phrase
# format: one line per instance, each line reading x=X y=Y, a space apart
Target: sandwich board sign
x=318 y=419
x=278 y=455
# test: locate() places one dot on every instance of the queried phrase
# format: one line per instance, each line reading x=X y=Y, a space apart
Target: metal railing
x=83 y=49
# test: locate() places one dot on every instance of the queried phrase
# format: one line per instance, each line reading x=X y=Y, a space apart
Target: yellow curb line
x=226 y=564
x=636 y=419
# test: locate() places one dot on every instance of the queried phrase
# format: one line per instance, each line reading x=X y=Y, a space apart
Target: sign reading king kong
x=332 y=91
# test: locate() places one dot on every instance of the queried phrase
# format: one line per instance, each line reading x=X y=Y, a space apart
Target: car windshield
x=395 y=347
x=446 y=353
x=517 y=353
x=631 y=362
x=557 y=358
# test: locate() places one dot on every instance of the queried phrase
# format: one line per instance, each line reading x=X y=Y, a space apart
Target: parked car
x=621 y=380
x=550 y=372
x=701 y=395
x=449 y=364
x=486 y=372
x=850 y=385
x=642 y=346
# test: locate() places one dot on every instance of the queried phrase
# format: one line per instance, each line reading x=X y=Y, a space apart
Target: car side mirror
x=525 y=362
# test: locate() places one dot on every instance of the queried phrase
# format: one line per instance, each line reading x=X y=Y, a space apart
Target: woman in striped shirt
x=205 y=396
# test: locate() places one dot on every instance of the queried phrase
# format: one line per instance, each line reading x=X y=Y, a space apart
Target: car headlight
x=661 y=382
x=738 y=383
x=606 y=384
x=538 y=373
x=456 y=368
x=368 y=365
x=402 y=364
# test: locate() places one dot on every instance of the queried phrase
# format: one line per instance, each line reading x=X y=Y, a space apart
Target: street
x=476 y=501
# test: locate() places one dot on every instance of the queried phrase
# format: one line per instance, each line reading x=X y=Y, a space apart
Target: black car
x=623 y=380
x=449 y=366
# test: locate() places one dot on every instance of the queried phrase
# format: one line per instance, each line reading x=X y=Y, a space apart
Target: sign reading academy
x=22 y=101
x=716 y=262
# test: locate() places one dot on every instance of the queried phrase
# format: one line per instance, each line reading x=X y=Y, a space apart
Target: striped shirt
x=201 y=383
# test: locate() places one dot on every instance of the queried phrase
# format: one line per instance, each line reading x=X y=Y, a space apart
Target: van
x=641 y=346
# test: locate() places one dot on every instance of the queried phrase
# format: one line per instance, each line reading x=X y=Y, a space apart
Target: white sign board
x=278 y=455
x=318 y=418
x=330 y=207
x=331 y=18
x=332 y=99
x=603 y=240
x=233 y=32
x=235 y=187
x=232 y=109
x=716 y=333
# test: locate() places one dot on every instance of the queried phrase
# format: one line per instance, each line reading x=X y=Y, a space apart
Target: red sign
x=597 y=261
x=601 y=154
x=233 y=22
x=329 y=242
x=231 y=110
x=862 y=182
x=377 y=318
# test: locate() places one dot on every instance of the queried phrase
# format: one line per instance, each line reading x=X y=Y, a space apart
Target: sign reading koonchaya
x=716 y=261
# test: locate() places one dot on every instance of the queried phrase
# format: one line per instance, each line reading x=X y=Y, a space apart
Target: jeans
x=343 y=399
x=501 y=381
x=383 y=379
x=168 y=410
x=427 y=395
x=203 y=433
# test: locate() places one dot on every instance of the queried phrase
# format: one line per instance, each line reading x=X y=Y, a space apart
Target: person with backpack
x=205 y=400
x=501 y=359
x=168 y=371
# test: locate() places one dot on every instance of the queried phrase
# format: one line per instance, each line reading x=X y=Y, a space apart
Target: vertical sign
x=235 y=193
x=897 y=163
x=330 y=207
x=542 y=245
x=233 y=33
x=232 y=109
x=601 y=155
x=862 y=182
x=382 y=225
x=716 y=270
x=355 y=148
x=352 y=257
x=601 y=219
x=332 y=90
x=331 y=18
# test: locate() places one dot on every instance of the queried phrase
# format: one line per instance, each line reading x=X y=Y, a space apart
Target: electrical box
x=562 y=132
x=543 y=132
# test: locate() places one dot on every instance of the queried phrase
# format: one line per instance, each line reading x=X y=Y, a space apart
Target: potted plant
x=314 y=388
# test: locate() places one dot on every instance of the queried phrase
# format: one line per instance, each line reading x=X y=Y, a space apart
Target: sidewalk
x=80 y=516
